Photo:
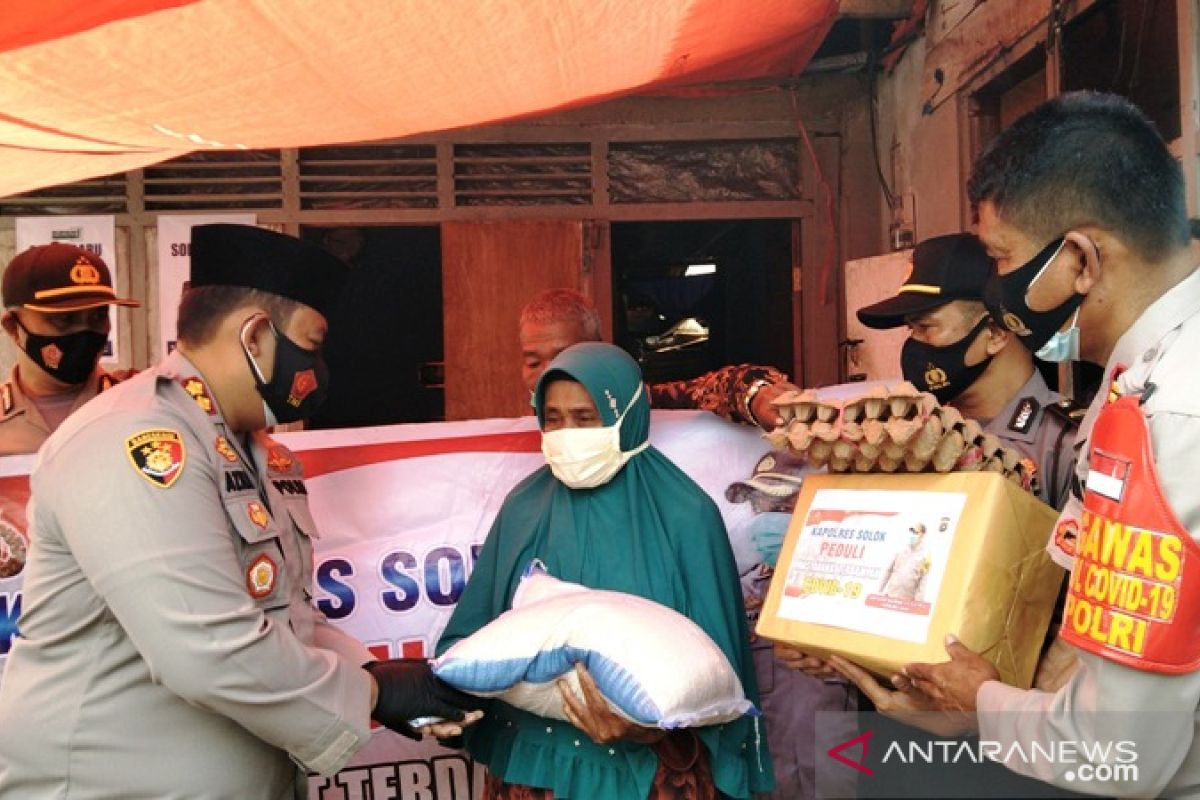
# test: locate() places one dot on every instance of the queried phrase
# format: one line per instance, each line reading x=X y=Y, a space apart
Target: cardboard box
x=857 y=576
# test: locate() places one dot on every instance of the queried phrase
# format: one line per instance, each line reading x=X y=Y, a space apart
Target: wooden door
x=489 y=271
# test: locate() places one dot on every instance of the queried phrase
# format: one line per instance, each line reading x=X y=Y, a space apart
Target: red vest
x=1134 y=594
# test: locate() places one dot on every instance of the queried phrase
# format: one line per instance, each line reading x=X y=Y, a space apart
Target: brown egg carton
x=893 y=428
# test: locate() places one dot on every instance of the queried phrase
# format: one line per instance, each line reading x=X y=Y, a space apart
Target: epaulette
x=1068 y=412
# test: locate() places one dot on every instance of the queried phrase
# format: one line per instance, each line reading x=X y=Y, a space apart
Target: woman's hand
x=813 y=666
x=594 y=717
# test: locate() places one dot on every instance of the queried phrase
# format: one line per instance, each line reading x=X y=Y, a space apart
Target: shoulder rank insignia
x=226 y=449
x=260 y=577
x=1025 y=415
x=6 y=398
x=157 y=455
x=199 y=392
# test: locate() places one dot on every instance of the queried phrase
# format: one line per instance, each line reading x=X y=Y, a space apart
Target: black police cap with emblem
x=945 y=268
x=255 y=258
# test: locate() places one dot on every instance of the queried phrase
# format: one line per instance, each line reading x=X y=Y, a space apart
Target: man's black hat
x=256 y=258
x=945 y=268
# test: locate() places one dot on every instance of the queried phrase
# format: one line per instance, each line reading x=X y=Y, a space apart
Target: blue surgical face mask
x=1063 y=345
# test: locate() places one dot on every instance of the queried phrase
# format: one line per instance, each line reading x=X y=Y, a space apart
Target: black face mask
x=1004 y=295
x=942 y=371
x=70 y=357
x=299 y=382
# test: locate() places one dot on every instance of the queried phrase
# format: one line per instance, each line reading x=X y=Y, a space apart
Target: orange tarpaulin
x=93 y=87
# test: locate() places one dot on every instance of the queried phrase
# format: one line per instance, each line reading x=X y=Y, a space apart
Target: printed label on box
x=872 y=561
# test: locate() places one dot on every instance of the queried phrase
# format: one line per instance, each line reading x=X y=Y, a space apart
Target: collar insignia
x=279 y=460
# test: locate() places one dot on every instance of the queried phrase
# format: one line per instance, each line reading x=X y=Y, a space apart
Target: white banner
x=402 y=511
x=174 y=263
x=94 y=234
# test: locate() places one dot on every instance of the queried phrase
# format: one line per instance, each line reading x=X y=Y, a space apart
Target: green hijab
x=650 y=531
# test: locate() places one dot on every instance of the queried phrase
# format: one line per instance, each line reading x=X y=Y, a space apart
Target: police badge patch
x=157 y=455
x=260 y=577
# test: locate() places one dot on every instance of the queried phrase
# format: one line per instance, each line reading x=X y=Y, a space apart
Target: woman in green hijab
x=610 y=512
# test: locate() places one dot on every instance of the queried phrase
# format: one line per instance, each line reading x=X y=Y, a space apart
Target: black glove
x=408 y=689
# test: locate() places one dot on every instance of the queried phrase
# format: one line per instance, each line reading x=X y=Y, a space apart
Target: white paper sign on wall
x=174 y=264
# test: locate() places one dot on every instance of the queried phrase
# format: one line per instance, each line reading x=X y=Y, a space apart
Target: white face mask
x=584 y=458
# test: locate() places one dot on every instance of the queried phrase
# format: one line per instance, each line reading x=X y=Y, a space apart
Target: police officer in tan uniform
x=1085 y=210
x=969 y=361
x=956 y=351
x=169 y=646
x=904 y=578
x=56 y=299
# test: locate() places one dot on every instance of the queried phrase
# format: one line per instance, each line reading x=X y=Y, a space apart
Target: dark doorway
x=384 y=347
x=690 y=297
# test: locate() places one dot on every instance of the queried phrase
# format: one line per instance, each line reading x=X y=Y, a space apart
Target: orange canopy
x=93 y=87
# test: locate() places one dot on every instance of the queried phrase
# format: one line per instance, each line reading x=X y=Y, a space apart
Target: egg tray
x=891 y=428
